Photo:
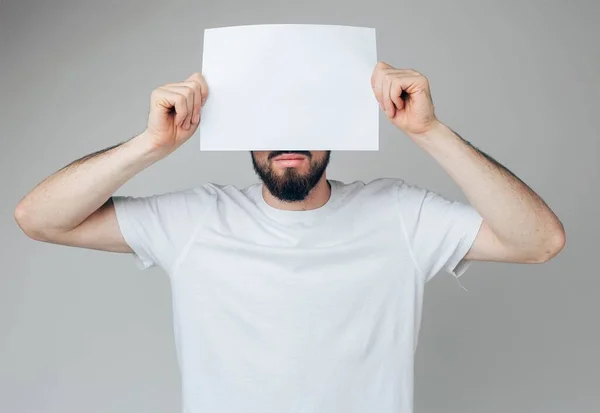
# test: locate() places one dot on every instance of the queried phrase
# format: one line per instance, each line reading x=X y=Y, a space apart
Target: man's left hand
x=404 y=96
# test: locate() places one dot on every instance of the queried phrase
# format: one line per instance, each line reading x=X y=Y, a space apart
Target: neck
x=317 y=197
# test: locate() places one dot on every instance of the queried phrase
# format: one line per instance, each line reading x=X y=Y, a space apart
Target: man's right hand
x=175 y=113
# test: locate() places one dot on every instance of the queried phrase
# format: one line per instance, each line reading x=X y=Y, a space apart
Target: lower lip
x=289 y=162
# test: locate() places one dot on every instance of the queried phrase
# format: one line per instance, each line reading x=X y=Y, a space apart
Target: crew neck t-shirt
x=314 y=311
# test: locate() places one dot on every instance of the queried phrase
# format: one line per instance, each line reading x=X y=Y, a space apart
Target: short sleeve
x=158 y=227
x=439 y=231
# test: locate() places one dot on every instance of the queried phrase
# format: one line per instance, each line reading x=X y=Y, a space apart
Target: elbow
x=22 y=217
x=555 y=243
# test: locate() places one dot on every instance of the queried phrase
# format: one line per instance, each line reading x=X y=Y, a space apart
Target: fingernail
x=197 y=118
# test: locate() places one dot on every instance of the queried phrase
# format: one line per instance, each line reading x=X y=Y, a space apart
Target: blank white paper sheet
x=289 y=87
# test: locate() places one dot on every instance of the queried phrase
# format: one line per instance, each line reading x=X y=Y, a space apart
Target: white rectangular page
x=289 y=87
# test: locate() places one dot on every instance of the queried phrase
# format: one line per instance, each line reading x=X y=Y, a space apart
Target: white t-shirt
x=298 y=311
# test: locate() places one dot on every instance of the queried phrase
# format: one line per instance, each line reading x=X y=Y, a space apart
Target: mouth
x=289 y=160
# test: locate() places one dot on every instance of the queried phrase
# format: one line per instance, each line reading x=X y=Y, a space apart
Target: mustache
x=277 y=153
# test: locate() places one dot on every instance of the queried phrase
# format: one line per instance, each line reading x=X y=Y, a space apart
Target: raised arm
x=74 y=207
x=517 y=225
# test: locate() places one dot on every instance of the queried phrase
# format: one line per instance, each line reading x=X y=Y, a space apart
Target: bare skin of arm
x=517 y=225
x=74 y=207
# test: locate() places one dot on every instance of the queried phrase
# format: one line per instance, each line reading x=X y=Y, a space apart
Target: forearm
x=516 y=214
x=65 y=199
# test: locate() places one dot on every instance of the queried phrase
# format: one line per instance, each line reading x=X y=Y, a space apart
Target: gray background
x=85 y=331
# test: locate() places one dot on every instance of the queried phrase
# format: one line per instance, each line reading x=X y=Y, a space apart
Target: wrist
x=445 y=146
x=438 y=141
x=145 y=149
x=142 y=150
x=434 y=131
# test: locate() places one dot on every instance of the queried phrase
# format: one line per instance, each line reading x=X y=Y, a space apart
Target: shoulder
x=404 y=192
x=185 y=201
x=181 y=203
x=382 y=194
x=205 y=194
x=373 y=198
x=382 y=188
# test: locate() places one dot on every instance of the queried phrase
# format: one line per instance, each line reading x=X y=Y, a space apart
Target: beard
x=291 y=186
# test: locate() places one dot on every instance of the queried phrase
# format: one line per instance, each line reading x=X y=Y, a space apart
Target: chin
x=300 y=170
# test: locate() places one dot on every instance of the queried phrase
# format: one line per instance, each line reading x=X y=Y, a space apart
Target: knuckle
x=196 y=77
x=195 y=85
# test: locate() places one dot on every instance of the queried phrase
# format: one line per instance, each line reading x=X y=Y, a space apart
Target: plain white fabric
x=298 y=311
